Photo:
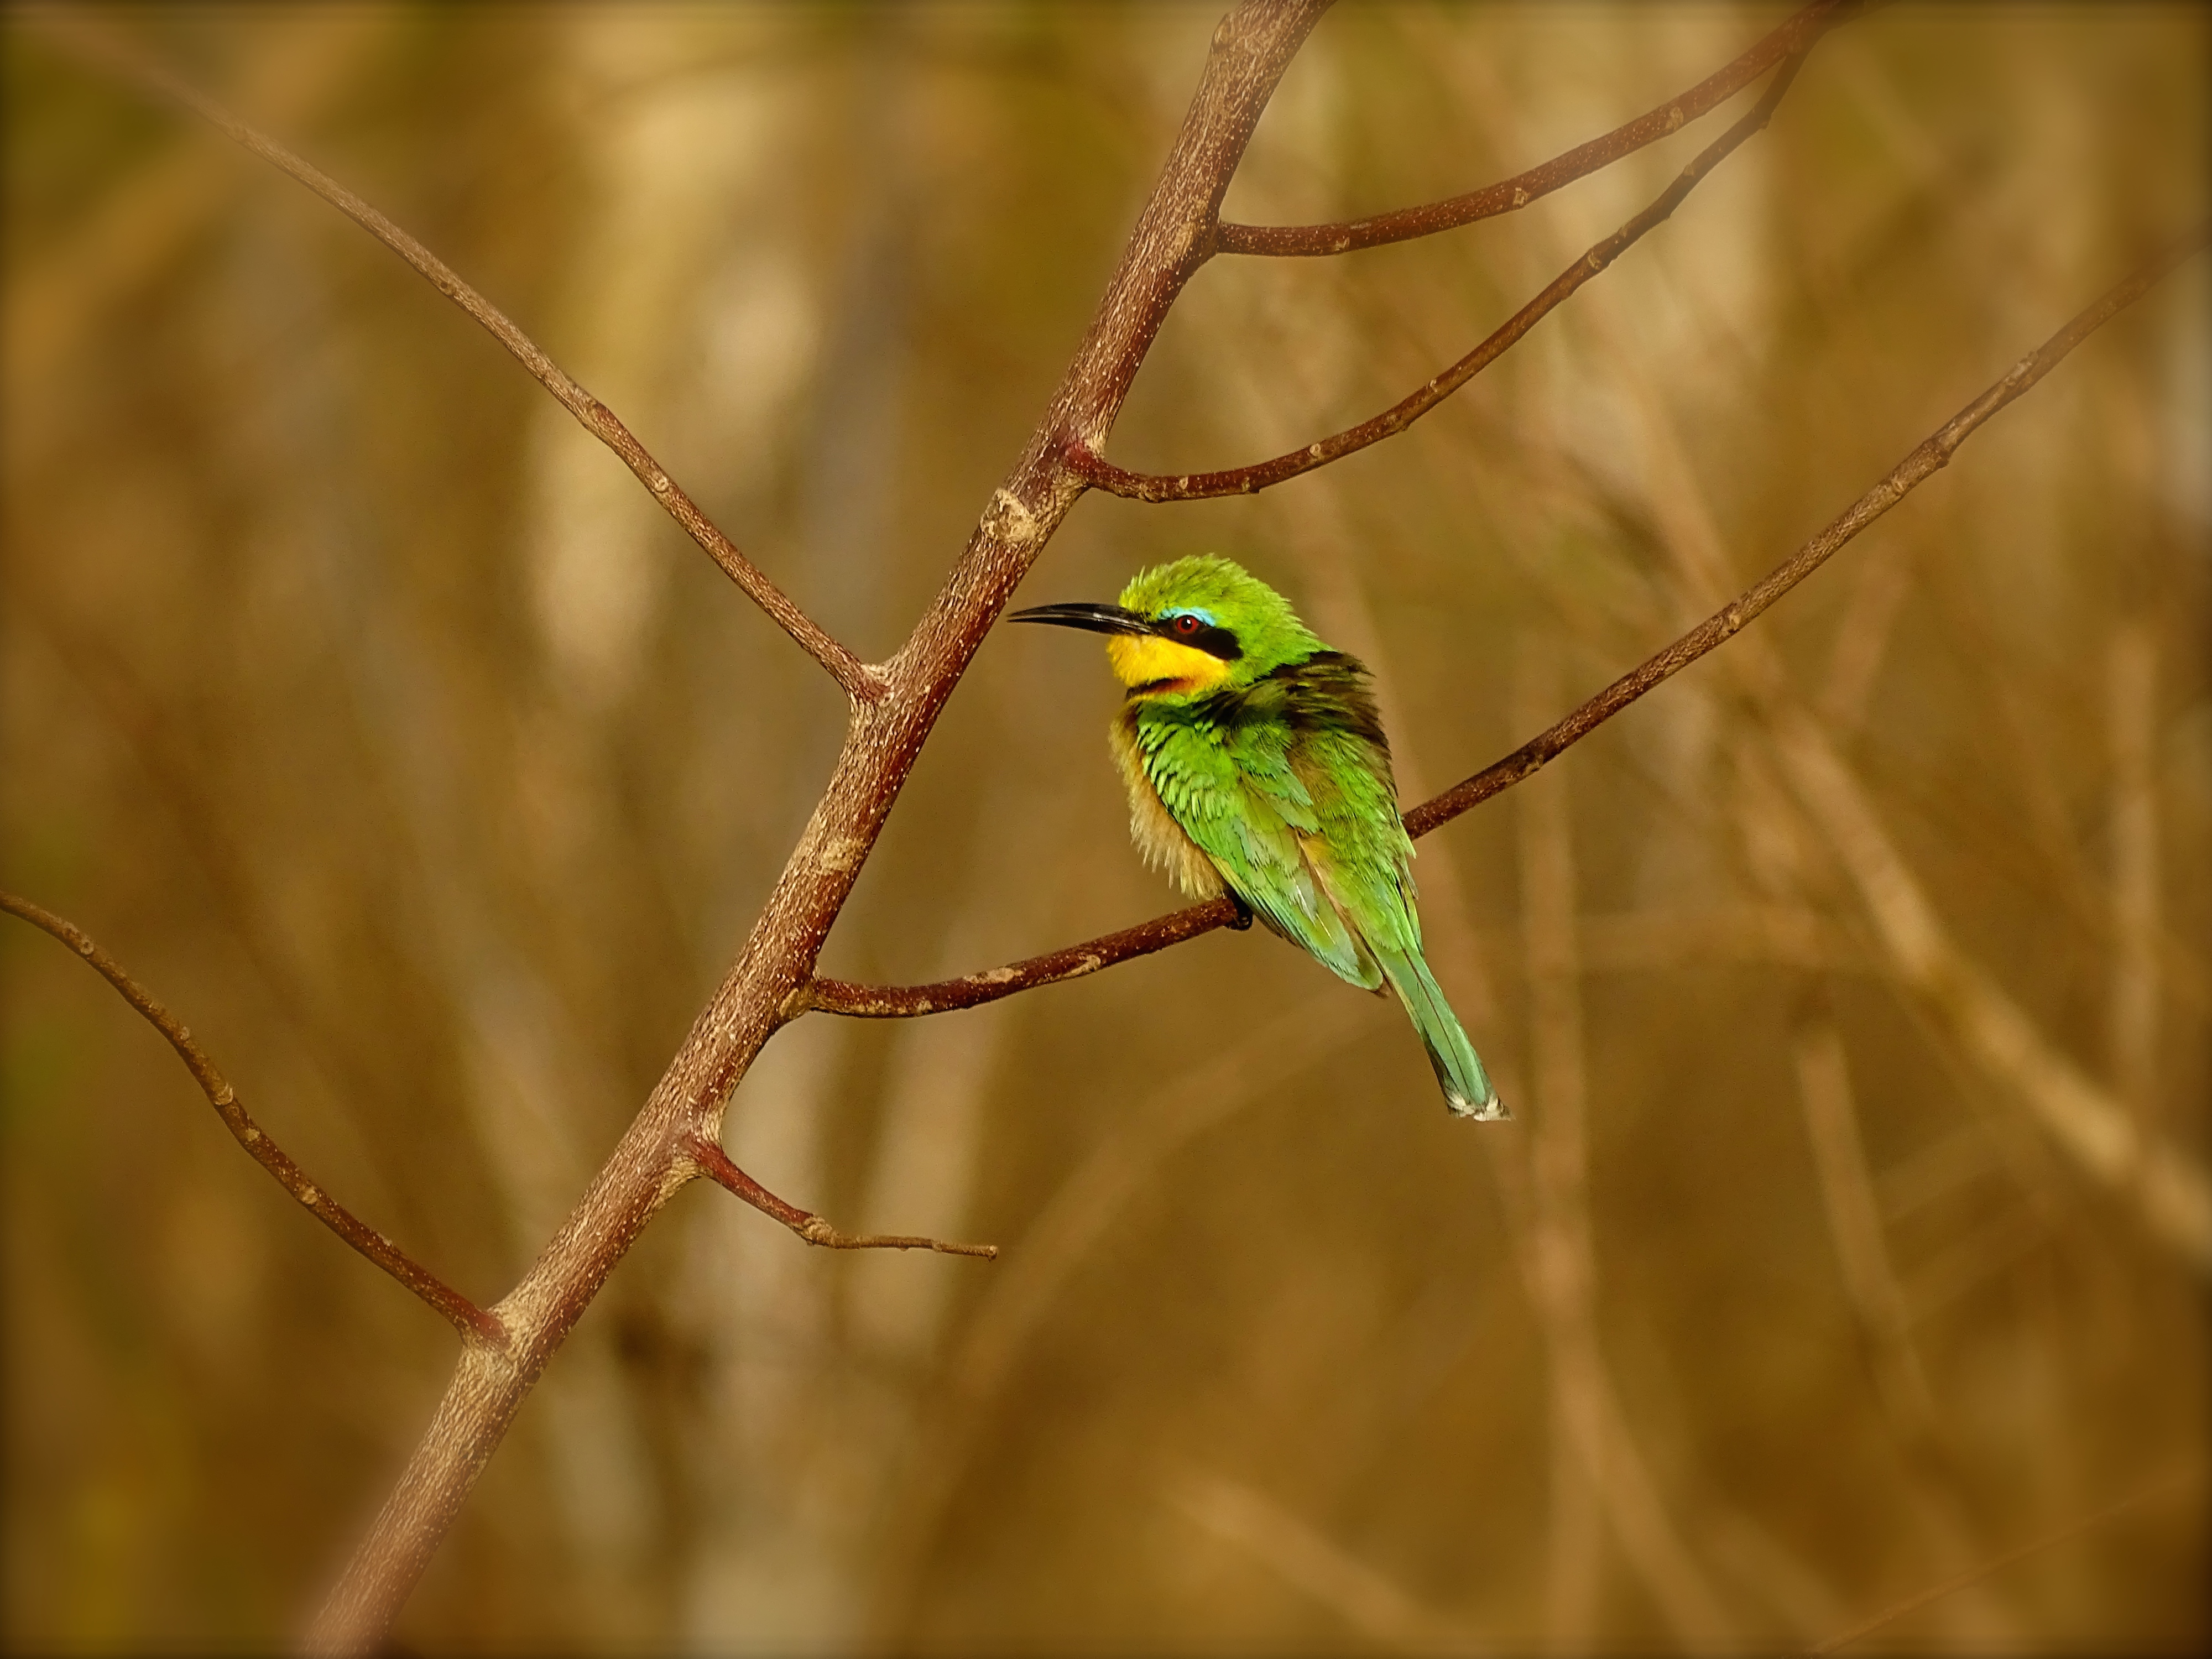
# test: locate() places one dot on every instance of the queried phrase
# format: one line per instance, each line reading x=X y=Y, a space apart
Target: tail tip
x=1490 y=1109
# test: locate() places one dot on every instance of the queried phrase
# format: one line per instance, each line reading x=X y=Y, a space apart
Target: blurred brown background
x=374 y=716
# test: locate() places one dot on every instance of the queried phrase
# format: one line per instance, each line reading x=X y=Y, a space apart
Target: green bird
x=1256 y=766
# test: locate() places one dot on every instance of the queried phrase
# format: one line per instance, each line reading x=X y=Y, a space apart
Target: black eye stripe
x=1186 y=629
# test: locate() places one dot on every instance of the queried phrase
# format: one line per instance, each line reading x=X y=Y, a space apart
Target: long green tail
x=1468 y=1091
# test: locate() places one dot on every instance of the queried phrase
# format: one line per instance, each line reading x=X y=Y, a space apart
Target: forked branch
x=861 y=682
x=675 y=1135
x=659 y=1151
x=1930 y=456
x=716 y=1162
x=1511 y=195
x=474 y=1324
x=1095 y=471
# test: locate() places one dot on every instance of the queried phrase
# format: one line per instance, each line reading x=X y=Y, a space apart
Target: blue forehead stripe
x=1206 y=617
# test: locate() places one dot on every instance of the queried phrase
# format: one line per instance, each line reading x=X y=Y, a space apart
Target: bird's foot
x=1243 y=914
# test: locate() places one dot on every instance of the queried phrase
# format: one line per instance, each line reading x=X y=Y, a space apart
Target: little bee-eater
x=1256 y=766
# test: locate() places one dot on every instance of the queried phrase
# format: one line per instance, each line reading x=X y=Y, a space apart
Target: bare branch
x=861 y=682
x=836 y=997
x=716 y=1162
x=1095 y=471
x=1511 y=195
x=475 y=1325
x=1916 y=469
x=765 y=985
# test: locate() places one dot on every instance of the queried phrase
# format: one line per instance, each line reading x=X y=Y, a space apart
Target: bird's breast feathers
x=1159 y=838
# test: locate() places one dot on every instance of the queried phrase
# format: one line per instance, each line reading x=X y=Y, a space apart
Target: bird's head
x=1198 y=625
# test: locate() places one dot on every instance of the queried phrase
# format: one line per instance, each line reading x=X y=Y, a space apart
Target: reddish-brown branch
x=713 y=1162
x=837 y=996
x=474 y=1324
x=892 y=1002
x=895 y=709
x=653 y=1160
x=1097 y=472
x=1511 y=195
x=861 y=682
x=1929 y=458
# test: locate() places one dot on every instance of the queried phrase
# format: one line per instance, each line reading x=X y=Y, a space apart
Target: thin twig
x=1511 y=195
x=836 y=997
x=474 y=1324
x=1101 y=474
x=861 y=682
x=2176 y=1481
x=1916 y=469
x=716 y=1162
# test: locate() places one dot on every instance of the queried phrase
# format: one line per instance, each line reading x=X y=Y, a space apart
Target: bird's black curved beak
x=1098 y=618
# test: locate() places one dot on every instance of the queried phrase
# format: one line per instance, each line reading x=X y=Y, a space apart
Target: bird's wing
x=1359 y=849
x=1236 y=795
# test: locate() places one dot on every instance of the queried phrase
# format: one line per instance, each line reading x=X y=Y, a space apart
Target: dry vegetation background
x=379 y=721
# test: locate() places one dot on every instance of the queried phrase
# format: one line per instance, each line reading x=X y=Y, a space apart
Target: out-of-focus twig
x=1862 y=635
x=2176 y=1481
x=2131 y=715
x=1595 y=1445
x=1511 y=195
x=1316 y=1566
x=2175 y=1198
x=1656 y=939
x=2171 y=1189
x=1776 y=839
x=1930 y=456
x=715 y=1163
x=1082 y=1210
x=102 y=46
x=1556 y=1246
x=1101 y=474
x=1855 y=1223
x=475 y=1325
x=1970 y=1261
x=294 y=68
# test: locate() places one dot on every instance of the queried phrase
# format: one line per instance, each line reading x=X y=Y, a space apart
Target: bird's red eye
x=1187 y=624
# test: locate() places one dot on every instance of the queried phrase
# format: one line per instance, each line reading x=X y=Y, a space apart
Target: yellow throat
x=1148 y=661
